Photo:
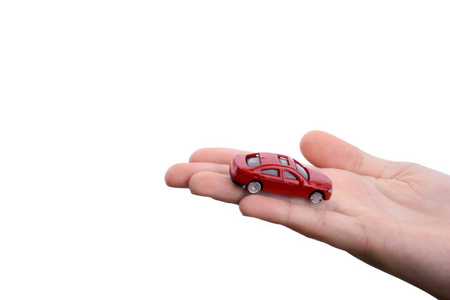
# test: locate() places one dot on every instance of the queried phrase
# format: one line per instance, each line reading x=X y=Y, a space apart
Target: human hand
x=391 y=215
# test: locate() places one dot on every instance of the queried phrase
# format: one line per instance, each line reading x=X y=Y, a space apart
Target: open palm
x=391 y=215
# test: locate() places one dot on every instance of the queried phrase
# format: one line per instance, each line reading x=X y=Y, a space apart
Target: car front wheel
x=254 y=187
x=316 y=197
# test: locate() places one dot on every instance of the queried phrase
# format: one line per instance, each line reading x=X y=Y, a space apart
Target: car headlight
x=330 y=191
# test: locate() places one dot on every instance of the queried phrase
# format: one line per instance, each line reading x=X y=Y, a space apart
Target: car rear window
x=253 y=161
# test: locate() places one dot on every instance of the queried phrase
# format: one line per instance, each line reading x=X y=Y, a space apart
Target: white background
x=99 y=98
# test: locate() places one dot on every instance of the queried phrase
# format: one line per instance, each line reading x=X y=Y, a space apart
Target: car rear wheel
x=254 y=187
x=316 y=197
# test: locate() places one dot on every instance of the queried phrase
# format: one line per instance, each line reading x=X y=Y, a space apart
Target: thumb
x=327 y=151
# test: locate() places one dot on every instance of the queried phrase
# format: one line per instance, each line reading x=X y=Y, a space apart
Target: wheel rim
x=254 y=187
x=316 y=197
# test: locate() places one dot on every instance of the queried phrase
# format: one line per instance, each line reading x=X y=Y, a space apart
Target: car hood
x=320 y=179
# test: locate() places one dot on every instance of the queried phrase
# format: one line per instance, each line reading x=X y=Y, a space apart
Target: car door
x=271 y=179
x=293 y=183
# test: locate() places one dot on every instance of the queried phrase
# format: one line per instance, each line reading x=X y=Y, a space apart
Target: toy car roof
x=264 y=158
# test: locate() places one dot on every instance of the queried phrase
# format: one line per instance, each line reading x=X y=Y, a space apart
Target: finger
x=215 y=155
x=179 y=175
x=327 y=151
x=216 y=186
x=328 y=226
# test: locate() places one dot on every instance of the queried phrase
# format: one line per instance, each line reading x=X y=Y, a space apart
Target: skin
x=391 y=215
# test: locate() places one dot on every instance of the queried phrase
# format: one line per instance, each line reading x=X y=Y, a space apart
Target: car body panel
x=282 y=183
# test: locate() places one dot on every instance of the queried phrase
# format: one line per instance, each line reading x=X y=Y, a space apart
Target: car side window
x=289 y=175
x=272 y=172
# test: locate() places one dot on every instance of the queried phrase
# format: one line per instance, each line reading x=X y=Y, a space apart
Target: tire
x=316 y=197
x=254 y=187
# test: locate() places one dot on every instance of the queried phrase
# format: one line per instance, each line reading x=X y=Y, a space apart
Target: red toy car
x=279 y=174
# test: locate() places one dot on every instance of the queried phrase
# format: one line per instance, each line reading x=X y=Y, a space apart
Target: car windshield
x=302 y=171
x=253 y=161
